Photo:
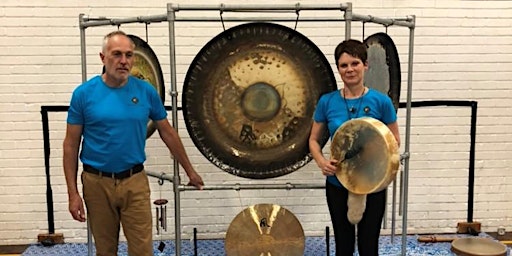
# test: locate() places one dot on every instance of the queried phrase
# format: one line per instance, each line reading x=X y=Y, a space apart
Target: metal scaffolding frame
x=348 y=17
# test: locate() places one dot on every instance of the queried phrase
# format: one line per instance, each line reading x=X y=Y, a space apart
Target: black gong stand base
x=161 y=246
x=327 y=240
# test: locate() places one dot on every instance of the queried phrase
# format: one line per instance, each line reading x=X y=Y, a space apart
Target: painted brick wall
x=462 y=51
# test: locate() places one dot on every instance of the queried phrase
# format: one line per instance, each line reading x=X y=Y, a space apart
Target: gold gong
x=367 y=153
x=265 y=229
x=249 y=96
x=146 y=67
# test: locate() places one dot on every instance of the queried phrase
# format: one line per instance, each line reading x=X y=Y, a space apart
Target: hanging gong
x=249 y=97
x=265 y=229
x=383 y=66
x=146 y=67
x=367 y=152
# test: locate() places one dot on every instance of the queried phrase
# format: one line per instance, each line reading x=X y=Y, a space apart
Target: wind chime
x=161 y=216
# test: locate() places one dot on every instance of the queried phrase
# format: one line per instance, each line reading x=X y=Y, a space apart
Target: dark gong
x=146 y=67
x=249 y=97
x=383 y=66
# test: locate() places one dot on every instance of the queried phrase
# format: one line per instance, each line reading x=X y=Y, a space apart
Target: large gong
x=249 y=97
x=146 y=67
x=383 y=66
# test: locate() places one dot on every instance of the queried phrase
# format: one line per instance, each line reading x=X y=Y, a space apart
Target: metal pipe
x=386 y=22
x=82 y=48
x=348 y=20
x=327 y=241
x=385 y=216
x=195 y=241
x=103 y=21
x=49 y=193
x=407 y=135
x=171 y=16
x=393 y=217
x=239 y=19
x=258 y=8
x=238 y=186
x=161 y=175
x=393 y=212
x=471 y=176
x=83 y=60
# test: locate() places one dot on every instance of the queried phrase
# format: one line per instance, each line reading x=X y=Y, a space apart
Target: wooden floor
x=12 y=250
x=505 y=239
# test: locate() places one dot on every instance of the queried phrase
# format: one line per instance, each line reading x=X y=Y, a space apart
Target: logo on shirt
x=135 y=100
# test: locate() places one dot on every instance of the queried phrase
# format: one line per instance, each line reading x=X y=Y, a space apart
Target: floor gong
x=477 y=246
x=265 y=229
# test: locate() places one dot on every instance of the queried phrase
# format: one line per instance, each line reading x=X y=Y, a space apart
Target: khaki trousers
x=112 y=203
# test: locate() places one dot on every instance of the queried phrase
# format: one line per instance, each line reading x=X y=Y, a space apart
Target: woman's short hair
x=353 y=48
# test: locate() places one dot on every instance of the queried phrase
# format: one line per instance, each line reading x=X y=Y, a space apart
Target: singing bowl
x=147 y=67
x=265 y=229
x=367 y=154
x=249 y=97
x=383 y=66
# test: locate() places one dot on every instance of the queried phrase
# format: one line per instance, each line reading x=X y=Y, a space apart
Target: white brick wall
x=462 y=51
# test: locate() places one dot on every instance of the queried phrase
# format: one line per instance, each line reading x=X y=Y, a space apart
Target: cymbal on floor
x=265 y=229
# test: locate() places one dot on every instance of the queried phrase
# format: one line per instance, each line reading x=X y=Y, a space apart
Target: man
x=108 y=115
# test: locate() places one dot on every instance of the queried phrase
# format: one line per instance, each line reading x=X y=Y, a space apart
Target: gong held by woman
x=353 y=102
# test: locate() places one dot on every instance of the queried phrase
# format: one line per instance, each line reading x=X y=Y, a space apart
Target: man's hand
x=195 y=180
x=76 y=208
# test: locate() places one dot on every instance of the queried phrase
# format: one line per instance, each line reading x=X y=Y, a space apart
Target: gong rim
x=147 y=67
x=382 y=52
x=203 y=117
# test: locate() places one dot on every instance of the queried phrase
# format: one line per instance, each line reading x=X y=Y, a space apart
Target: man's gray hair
x=112 y=34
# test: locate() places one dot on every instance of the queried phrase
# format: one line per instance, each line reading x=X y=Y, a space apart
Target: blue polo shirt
x=333 y=110
x=114 y=121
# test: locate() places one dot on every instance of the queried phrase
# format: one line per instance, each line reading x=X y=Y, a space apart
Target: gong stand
x=171 y=18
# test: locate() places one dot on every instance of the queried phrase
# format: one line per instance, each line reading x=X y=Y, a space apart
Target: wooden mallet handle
x=435 y=239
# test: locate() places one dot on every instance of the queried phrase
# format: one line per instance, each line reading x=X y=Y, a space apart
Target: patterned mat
x=314 y=246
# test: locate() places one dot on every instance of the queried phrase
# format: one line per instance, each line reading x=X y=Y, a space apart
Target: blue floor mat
x=314 y=246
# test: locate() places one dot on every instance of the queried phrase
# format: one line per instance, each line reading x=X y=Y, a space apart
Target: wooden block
x=469 y=227
x=50 y=239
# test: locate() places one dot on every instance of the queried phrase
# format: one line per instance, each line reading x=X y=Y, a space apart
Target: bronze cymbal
x=265 y=229
x=249 y=97
x=367 y=153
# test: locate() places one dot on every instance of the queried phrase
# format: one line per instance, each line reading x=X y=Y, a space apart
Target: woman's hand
x=328 y=167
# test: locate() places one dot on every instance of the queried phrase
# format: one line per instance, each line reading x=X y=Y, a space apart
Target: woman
x=333 y=109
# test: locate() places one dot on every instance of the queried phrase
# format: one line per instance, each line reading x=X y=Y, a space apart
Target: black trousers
x=368 y=229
